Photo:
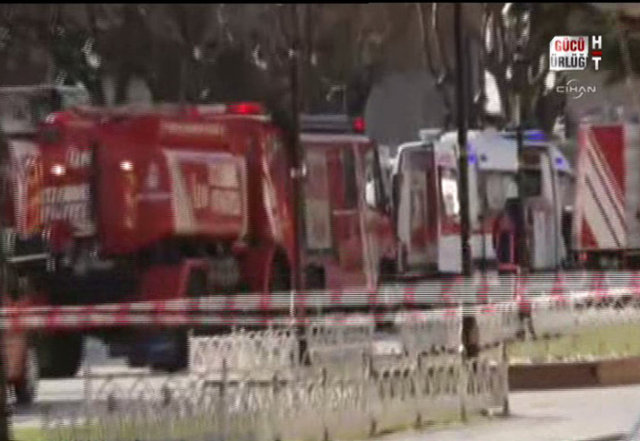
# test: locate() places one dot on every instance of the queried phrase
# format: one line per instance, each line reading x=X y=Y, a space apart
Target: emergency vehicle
x=427 y=208
x=177 y=201
x=21 y=111
x=547 y=185
x=607 y=201
x=493 y=167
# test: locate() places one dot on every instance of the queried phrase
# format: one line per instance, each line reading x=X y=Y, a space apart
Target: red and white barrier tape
x=252 y=309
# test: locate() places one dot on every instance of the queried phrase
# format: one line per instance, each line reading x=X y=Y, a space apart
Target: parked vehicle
x=607 y=201
x=493 y=167
x=22 y=110
x=547 y=186
x=184 y=201
x=427 y=208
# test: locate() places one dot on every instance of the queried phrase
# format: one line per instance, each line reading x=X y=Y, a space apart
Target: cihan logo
x=574 y=88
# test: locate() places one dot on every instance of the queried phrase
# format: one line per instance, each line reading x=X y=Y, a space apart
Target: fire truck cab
x=348 y=233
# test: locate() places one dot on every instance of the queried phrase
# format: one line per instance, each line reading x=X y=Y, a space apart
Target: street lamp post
x=295 y=144
x=5 y=431
x=520 y=77
x=461 y=98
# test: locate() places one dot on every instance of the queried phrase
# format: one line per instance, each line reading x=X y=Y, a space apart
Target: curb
x=574 y=374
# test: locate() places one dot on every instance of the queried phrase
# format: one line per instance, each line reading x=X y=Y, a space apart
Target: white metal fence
x=250 y=386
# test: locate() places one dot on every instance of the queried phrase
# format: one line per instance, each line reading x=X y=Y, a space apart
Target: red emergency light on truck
x=188 y=201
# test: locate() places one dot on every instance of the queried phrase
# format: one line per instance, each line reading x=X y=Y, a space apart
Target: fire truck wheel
x=60 y=355
x=180 y=361
x=26 y=388
x=196 y=287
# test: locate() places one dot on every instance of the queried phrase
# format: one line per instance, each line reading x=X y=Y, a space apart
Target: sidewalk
x=559 y=415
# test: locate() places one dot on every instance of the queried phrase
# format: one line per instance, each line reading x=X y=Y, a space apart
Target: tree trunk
x=96 y=91
x=122 y=86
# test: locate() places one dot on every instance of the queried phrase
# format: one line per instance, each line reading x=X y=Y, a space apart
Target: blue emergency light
x=528 y=135
x=534 y=135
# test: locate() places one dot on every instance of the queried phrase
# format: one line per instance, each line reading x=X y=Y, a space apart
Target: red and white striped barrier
x=494 y=295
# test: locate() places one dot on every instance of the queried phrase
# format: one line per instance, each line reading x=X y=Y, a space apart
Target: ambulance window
x=449 y=188
x=350 y=184
x=497 y=188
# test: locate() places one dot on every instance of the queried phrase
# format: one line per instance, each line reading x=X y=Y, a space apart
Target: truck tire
x=180 y=341
x=180 y=337
x=27 y=387
x=60 y=356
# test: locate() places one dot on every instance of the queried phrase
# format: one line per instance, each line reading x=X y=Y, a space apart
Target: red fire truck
x=606 y=222
x=181 y=201
x=21 y=110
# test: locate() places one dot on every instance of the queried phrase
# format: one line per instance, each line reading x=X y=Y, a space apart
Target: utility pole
x=308 y=54
x=520 y=78
x=461 y=98
x=4 y=408
x=4 y=387
x=297 y=172
x=469 y=325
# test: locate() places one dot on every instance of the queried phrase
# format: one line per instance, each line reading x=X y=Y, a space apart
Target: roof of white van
x=488 y=149
x=493 y=151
